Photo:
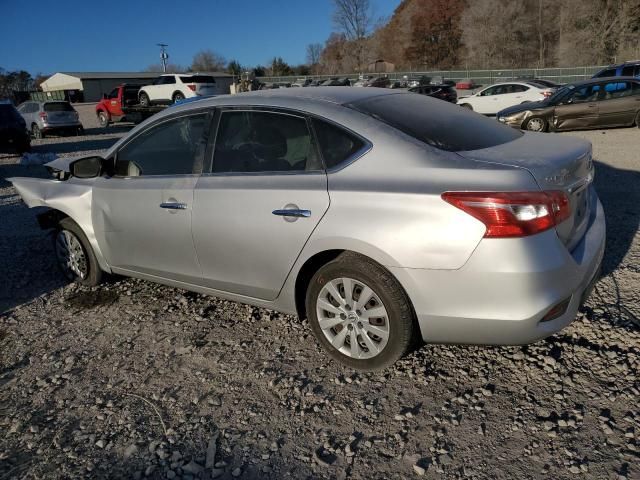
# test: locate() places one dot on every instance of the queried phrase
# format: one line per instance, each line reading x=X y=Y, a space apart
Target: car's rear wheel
x=103 y=119
x=467 y=106
x=536 y=124
x=144 y=99
x=79 y=131
x=74 y=254
x=36 y=132
x=178 y=96
x=359 y=313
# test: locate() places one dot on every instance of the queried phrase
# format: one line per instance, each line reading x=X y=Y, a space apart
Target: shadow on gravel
x=619 y=192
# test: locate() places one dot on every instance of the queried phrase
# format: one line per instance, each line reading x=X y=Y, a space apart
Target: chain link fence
x=480 y=77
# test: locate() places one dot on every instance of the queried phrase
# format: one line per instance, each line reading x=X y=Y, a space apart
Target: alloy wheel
x=71 y=255
x=353 y=318
x=535 y=125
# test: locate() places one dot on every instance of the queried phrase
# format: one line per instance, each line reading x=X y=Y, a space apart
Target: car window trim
x=262 y=108
x=207 y=110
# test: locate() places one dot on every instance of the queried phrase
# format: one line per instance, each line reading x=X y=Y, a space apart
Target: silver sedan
x=383 y=217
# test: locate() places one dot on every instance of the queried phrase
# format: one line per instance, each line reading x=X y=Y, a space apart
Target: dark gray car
x=43 y=118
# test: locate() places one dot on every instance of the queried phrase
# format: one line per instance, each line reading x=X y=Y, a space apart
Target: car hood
x=523 y=107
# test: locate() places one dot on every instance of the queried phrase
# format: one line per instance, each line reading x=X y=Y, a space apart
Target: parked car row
x=596 y=103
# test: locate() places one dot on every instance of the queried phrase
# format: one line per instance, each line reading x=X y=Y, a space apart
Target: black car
x=596 y=103
x=13 y=130
x=445 y=92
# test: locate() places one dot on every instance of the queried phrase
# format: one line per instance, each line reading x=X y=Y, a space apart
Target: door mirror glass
x=89 y=167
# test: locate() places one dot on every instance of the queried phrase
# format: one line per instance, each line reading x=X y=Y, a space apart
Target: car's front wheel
x=535 y=124
x=74 y=254
x=36 y=132
x=359 y=313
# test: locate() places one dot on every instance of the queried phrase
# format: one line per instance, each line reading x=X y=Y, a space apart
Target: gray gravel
x=137 y=380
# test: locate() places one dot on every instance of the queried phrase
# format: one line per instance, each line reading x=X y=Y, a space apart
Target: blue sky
x=87 y=35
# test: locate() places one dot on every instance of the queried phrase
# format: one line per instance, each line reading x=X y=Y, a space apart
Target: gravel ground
x=137 y=380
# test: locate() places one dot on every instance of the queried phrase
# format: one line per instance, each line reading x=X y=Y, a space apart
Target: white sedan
x=491 y=100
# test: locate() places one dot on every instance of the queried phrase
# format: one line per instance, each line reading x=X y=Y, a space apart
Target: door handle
x=292 y=212
x=174 y=205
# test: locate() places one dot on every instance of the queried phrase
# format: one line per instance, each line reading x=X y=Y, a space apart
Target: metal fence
x=481 y=77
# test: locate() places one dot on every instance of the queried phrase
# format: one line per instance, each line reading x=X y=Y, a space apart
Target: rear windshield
x=198 y=79
x=58 y=107
x=437 y=123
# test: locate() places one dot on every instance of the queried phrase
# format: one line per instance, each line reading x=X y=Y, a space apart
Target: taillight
x=43 y=115
x=547 y=93
x=192 y=87
x=513 y=214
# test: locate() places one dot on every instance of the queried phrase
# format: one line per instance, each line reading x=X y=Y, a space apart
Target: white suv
x=171 y=88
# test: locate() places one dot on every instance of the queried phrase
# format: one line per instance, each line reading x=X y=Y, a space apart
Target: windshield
x=560 y=94
x=437 y=123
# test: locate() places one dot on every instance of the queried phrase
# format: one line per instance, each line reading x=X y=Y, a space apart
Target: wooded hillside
x=441 y=34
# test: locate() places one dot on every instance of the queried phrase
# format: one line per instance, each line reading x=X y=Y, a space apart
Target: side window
x=628 y=70
x=489 y=91
x=22 y=108
x=169 y=80
x=253 y=141
x=609 y=72
x=114 y=93
x=585 y=94
x=616 y=90
x=174 y=147
x=336 y=144
x=520 y=88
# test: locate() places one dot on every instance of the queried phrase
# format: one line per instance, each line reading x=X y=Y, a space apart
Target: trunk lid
x=556 y=163
x=60 y=112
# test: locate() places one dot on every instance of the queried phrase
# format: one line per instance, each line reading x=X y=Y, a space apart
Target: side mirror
x=89 y=167
x=105 y=96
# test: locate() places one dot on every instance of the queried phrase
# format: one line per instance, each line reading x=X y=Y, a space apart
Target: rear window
x=198 y=79
x=437 y=123
x=58 y=107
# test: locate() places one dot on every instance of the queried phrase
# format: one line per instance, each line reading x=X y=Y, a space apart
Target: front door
x=142 y=214
x=254 y=212
x=579 y=109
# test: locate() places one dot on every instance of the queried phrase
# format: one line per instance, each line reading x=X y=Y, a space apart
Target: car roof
x=336 y=95
x=603 y=79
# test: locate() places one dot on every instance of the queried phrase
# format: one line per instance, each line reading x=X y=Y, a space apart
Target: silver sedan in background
x=383 y=217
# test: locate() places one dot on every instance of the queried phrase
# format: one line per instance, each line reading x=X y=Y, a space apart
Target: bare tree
x=171 y=68
x=353 y=17
x=208 y=61
x=314 y=50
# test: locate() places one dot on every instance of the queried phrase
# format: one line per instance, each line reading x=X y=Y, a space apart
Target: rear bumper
x=50 y=127
x=500 y=296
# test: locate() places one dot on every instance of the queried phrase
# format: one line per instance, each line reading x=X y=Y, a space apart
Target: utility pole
x=163 y=55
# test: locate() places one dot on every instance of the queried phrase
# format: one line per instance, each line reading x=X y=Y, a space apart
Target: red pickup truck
x=121 y=105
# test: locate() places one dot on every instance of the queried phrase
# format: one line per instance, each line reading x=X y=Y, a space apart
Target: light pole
x=163 y=55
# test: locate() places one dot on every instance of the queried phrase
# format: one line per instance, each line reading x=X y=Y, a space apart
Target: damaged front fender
x=72 y=198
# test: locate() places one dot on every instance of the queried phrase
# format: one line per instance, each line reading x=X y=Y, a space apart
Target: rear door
x=264 y=195
x=617 y=105
x=142 y=214
x=579 y=109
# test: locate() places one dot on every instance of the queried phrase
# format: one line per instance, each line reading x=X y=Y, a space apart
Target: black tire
x=103 y=119
x=93 y=275
x=401 y=322
x=178 y=96
x=36 y=132
x=467 y=106
x=79 y=131
x=638 y=119
x=535 y=124
x=24 y=146
x=144 y=99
